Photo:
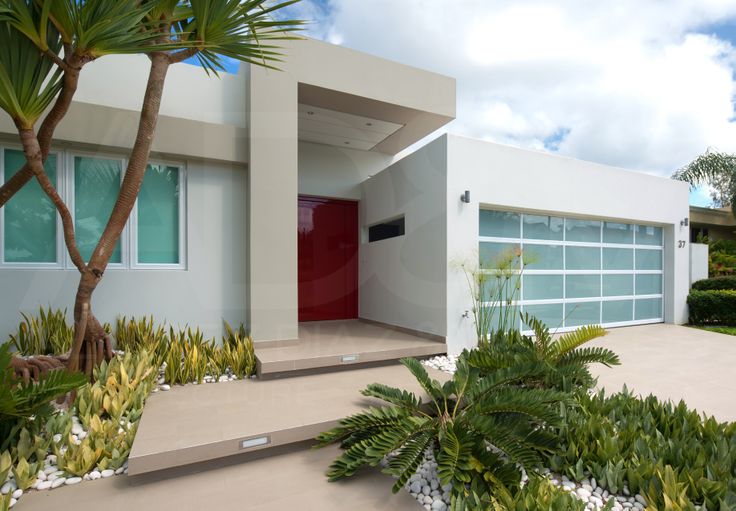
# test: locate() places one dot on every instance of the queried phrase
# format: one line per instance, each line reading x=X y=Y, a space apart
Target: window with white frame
x=31 y=234
x=578 y=271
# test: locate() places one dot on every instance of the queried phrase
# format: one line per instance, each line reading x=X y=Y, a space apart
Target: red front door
x=328 y=259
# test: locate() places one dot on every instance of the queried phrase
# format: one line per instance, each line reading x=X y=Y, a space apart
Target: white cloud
x=629 y=83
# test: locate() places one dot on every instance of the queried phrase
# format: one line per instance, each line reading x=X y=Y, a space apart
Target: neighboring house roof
x=722 y=217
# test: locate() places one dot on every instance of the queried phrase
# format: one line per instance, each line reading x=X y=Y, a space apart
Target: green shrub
x=715 y=283
x=463 y=417
x=666 y=452
x=564 y=359
x=712 y=307
x=46 y=334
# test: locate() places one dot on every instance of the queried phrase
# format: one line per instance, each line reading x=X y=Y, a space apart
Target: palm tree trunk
x=90 y=337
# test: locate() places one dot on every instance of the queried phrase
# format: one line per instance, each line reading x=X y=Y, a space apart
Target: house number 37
x=681 y=244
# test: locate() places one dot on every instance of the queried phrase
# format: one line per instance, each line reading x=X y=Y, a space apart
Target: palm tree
x=482 y=427
x=43 y=46
x=716 y=169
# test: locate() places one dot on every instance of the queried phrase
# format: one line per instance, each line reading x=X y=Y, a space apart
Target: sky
x=641 y=84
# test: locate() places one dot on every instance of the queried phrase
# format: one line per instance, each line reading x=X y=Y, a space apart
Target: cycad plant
x=22 y=402
x=564 y=359
x=483 y=428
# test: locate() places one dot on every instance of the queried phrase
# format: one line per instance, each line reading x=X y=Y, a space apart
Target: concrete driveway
x=674 y=362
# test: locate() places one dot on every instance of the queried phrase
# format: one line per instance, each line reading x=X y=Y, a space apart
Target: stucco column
x=272 y=205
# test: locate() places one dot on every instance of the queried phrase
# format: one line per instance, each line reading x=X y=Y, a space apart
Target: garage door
x=578 y=271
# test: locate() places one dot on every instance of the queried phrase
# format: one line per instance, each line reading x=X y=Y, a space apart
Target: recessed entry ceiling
x=339 y=129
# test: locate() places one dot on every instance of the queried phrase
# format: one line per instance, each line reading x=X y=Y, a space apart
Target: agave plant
x=564 y=360
x=483 y=427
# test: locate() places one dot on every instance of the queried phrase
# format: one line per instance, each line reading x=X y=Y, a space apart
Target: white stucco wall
x=119 y=81
x=329 y=171
x=698 y=262
x=507 y=177
x=403 y=279
x=210 y=289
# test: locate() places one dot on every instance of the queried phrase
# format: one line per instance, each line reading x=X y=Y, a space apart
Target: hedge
x=712 y=307
x=727 y=282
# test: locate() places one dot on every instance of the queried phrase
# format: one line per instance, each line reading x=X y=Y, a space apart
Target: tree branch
x=180 y=56
x=45 y=133
x=33 y=153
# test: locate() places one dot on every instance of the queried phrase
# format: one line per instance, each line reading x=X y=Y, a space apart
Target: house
x=285 y=198
x=712 y=223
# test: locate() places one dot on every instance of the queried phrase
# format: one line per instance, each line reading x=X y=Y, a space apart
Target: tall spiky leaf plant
x=22 y=403
x=563 y=359
x=483 y=427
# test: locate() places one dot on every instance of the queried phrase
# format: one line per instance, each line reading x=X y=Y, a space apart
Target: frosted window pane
x=648 y=235
x=618 y=259
x=582 y=286
x=648 y=259
x=585 y=313
x=543 y=227
x=617 y=233
x=650 y=308
x=30 y=216
x=620 y=310
x=96 y=188
x=583 y=230
x=158 y=216
x=618 y=285
x=542 y=287
x=500 y=224
x=582 y=258
x=543 y=257
x=647 y=284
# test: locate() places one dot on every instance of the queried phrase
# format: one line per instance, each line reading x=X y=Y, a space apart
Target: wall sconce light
x=465 y=197
x=685 y=222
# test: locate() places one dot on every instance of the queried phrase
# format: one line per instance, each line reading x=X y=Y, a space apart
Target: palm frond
x=590 y=355
x=398 y=397
x=407 y=460
x=370 y=420
x=572 y=340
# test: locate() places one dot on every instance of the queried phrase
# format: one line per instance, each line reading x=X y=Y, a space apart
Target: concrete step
x=197 y=423
x=334 y=345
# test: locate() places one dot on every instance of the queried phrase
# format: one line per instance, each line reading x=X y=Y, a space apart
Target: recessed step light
x=249 y=443
x=346 y=359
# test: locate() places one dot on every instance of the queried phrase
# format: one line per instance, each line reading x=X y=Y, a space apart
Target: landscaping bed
x=90 y=436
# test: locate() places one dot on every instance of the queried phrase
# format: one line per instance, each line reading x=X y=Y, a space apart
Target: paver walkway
x=278 y=483
x=674 y=362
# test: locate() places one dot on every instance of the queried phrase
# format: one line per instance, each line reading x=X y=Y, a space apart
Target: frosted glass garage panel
x=648 y=235
x=505 y=318
x=649 y=284
x=543 y=287
x=582 y=286
x=582 y=230
x=618 y=258
x=543 y=257
x=582 y=313
x=30 y=217
x=618 y=233
x=648 y=259
x=500 y=224
x=618 y=311
x=618 y=285
x=501 y=286
x=537 y=227
x=649 y=308
x=498 y=255
x=549 y=314
x=582 y=258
